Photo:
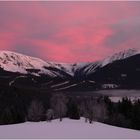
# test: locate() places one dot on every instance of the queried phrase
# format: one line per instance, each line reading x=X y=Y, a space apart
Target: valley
x=111 y=85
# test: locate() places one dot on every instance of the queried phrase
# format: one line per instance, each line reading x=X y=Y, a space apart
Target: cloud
x=69 y=31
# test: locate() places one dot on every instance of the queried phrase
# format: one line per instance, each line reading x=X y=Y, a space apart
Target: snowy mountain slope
x=16 y=62
x=67 y=129
x=119 y=56
x=93 y=66
x=68 y=68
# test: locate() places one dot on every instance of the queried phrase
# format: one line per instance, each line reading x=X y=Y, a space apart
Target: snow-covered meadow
x=66 y=129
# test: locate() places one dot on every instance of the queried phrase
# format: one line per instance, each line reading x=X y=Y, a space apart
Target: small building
x=109 y=86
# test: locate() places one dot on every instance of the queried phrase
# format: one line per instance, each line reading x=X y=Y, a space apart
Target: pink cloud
x=69 y=31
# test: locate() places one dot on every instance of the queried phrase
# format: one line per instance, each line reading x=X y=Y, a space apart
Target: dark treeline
x=15 y=108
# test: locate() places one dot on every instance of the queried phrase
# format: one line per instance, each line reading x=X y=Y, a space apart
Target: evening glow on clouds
x=69 y=31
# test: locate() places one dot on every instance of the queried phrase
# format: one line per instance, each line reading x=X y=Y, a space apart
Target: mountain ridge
x=23 y=62
x=117 y=70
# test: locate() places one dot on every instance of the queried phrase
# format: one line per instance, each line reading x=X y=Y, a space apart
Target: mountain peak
x=120 y=55
x=16 y=62
x=127 y=53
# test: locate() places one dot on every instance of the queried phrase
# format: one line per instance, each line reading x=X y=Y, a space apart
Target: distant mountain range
x=121 y=70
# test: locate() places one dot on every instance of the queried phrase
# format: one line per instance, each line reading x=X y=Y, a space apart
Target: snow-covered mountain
x=15 y=68
x=16 y=62
x=91 y=67
x=119 y=56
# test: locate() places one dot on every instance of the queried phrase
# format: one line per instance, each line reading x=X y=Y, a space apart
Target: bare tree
x=35 y=111
x=58 y=104
x=49 y=114
x=90 y=111
x=94 y=111
x=100 y=112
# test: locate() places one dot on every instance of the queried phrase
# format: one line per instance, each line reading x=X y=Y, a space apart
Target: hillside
x=67 y=129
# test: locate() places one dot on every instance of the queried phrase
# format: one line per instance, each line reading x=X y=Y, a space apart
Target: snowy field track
x=66 y=129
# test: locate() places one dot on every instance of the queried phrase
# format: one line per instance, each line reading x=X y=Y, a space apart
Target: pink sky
x=69 y=31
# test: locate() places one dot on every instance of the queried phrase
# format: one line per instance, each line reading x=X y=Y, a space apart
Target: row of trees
x=58 y=109
x=72 y=107
x=125 y=114
x=14 y=109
